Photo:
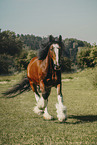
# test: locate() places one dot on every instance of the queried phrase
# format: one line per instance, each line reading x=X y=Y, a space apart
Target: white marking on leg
x=36 y=109
x=42 y=103
x=60 y=99
x=61 y=109
x=37 y=97
x=46 y=115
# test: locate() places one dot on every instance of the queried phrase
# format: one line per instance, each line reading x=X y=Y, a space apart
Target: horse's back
x=32 y=70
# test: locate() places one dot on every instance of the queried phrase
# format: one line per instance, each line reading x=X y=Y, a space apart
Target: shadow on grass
x=82 y=119
x=87 y=118
x=79 y=119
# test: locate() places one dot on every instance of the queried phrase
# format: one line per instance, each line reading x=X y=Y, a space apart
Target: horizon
x=69 y=18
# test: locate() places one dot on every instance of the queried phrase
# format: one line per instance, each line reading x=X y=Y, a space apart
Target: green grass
x=19 y=125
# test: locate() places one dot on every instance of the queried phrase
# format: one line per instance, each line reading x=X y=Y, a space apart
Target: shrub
x=93 y=55
x=65 y=64
x=31 y=54
x=24 y=59
x=87 y=57
x=6 y=64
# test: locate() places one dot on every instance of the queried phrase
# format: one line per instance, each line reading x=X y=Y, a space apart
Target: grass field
x=19 y=125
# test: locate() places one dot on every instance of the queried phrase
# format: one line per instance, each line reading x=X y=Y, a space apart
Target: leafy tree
x=87 y=57
x=22 y=62
x=6 y=64
x=71 y=47
x=65 y=64
x=33 y=42
x=10 y=47
x=93 y=55
x=9 y=43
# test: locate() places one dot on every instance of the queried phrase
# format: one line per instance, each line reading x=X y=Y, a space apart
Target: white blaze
x=56 y=50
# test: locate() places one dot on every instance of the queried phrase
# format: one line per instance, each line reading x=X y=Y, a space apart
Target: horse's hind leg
x=37 y=97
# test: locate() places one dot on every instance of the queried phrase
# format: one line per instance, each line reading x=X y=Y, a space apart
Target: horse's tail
x=18 y=88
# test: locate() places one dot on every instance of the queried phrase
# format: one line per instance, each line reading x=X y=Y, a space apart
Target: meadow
x=19 y=125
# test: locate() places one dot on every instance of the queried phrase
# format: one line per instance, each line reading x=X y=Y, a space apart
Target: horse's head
x=55 y=52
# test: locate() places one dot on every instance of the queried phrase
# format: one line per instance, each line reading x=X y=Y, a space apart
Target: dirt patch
x=4 y=82
x=66 y=80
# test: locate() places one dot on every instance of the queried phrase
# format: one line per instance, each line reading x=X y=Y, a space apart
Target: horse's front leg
x=43 y=101
x=61 y=109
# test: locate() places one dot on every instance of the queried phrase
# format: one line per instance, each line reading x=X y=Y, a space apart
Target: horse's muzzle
x=57 y=67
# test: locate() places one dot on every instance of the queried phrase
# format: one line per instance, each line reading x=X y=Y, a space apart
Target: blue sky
x=70 y=18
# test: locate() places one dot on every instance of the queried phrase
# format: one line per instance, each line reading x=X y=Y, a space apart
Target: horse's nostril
x=57 y=67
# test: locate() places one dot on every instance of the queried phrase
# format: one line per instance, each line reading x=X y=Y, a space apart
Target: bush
x=65 y=64
x=10 y=44
x=6 y=64
x=24 y=59
x=87 y=57
x=93 y=55
x=31 y=54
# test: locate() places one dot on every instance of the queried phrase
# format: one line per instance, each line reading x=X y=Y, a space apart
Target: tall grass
x=19 y=124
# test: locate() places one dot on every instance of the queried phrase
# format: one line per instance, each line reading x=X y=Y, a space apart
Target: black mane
x=45 y=45
x=43 y=51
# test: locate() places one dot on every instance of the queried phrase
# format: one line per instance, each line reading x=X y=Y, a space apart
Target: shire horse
x=44 y=72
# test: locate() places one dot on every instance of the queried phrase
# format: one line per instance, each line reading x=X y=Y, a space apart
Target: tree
x=22 y=62
x=6 y=64
x=33 y=42
x=9 y=43
x=71 y=47
x=65 y=64
x=10 y=47
x=87 y=57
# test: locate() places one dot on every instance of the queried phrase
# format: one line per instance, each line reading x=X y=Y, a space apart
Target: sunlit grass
x=19 y=124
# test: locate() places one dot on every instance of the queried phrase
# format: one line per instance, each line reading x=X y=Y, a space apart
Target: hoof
x=38 y=111
x=63 y=119
x=61 y=112
x=47 y=117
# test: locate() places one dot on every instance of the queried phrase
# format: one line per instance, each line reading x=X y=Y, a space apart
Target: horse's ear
x=51 y=38
x=60 y=38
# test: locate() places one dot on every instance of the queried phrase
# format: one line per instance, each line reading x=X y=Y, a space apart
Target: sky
x=69 y=18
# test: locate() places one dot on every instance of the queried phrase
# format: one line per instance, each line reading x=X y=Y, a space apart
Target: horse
x=44 y=72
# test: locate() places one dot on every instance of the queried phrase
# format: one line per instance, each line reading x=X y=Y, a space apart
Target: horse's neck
x=49 y=64
x=51 y=73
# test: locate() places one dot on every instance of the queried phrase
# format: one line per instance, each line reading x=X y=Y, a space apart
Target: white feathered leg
x=46 y=115
x=61 y=109
x=38 y=109
x=42 y=103
x=41 y=107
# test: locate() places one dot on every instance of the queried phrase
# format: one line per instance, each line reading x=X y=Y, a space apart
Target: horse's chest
x=52 y=80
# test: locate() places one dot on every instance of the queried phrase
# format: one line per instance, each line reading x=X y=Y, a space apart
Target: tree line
x=17 y=50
